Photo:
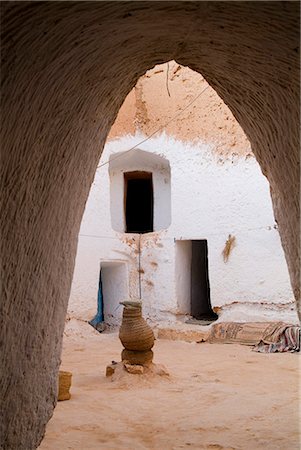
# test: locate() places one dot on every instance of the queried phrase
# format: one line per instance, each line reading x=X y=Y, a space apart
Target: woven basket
x=64 y=385
x=135 y=334
x=141 y=358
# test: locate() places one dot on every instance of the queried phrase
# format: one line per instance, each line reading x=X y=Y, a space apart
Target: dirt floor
x=217 y=397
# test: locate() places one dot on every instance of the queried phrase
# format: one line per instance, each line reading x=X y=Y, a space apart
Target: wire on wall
x=180 y=111
x=139 y=266
x=167 y=75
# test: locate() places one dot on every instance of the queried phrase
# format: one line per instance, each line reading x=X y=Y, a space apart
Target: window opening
x=139 y=202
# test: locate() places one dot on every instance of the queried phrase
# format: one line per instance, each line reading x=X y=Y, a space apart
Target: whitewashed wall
x=210 y=198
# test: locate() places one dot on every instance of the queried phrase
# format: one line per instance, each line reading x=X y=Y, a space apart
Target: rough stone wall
x=162 y=93
x=66 y=69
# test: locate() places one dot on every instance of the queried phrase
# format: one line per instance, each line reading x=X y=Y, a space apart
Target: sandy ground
x=217 y=397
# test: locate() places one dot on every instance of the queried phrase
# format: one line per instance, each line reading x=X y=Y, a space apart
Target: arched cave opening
x=65 y=74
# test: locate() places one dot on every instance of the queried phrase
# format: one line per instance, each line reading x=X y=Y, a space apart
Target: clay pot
x=135 y=334
x=140 y=358
x=64 y=385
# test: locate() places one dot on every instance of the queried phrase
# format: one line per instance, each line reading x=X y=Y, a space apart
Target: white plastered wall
x=211 y=198
x=183 y=253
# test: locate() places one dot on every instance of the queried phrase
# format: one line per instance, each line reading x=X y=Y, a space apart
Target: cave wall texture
x=66 y=69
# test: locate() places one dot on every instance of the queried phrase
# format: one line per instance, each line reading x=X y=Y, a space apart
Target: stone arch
x=66 y=69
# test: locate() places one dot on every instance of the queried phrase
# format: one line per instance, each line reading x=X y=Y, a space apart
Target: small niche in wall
x=140 y=192
x=138 y=202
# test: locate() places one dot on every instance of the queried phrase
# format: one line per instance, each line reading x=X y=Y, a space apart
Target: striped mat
x=267 y=337
x=288 y=341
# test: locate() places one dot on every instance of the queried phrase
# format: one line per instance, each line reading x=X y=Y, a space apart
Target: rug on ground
x=267 y=337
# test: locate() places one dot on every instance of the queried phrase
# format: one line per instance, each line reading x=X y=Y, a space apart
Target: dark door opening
x=139 y=201
x=200 y=288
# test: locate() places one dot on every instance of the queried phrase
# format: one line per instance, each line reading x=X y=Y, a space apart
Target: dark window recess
x=139 y=202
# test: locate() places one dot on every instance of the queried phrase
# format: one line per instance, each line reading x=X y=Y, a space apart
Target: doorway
x=192 y=278
x=201 y=308
x=98 y=320
x=113 y=289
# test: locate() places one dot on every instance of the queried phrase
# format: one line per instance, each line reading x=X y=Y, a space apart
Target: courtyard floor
x=216 y=397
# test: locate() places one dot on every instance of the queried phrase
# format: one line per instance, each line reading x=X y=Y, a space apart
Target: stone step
x=183 y=332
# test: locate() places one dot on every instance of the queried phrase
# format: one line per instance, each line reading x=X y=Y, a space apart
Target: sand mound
x=152 y=375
